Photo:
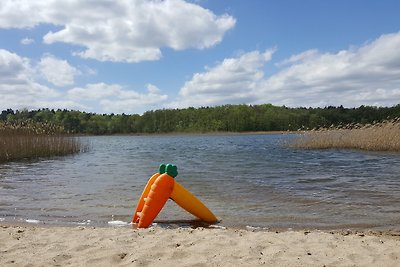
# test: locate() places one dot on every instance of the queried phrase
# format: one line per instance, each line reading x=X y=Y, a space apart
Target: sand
x=113 y=246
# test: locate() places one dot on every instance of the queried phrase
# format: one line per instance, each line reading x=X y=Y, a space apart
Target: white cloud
x=93 y=91
x=232 y=81
x=117 y=99
x=306 y=55
x=27 y=41
x=88 y=71
x=367 y=75
x=13 y=68
x=56 y=71
x=152 y=89
x=17 y=86
x=19 y=89
x=125 y=30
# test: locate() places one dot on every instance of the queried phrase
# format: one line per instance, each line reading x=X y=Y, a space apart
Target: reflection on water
x=244 y=179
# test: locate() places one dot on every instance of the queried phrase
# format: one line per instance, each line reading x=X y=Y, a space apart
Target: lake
x=246 y=180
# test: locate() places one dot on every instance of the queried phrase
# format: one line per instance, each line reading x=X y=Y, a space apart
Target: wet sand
x=26 y=245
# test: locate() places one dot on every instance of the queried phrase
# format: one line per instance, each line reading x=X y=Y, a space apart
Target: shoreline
x=389 y=232
x=116 y=246
x=193 y=224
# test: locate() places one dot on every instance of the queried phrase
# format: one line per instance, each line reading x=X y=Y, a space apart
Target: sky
x=131 y=56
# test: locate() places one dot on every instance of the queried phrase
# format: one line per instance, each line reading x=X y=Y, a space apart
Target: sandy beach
x=25 y=245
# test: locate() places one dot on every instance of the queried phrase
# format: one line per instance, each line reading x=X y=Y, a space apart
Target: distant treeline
x=227 y=118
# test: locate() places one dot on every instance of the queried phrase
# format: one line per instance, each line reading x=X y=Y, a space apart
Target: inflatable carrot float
x=144 y=194
x=162 y=186
x=159 y=193
x=191 y=204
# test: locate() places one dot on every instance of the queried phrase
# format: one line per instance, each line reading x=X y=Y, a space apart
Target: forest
x=226 y=118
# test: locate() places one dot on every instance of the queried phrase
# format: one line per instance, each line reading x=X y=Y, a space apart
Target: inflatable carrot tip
x=161 y=170
x=171 y=170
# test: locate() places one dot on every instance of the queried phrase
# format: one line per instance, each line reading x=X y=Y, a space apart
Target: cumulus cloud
x=116 y=98
x=365 y=75
x=27 y=41
x=124 y=31
x=57 y=71
x=306 y=55
x=234 y=80
x=18 y=88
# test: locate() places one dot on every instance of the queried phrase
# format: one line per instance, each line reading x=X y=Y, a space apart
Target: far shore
x=202 y=133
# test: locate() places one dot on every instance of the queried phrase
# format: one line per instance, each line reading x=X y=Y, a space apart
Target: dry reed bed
x=384 y=136
x=28 y=140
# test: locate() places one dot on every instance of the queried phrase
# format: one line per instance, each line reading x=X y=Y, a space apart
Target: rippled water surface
x=244 y=179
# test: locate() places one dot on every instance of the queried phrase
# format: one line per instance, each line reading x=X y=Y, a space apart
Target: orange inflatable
x=144 y=194
x=158 y=189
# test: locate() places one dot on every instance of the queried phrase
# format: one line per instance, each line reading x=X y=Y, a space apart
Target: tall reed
x=28 y=140
x=383 y=136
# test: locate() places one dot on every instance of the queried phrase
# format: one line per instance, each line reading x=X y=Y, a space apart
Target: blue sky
x=129 y=56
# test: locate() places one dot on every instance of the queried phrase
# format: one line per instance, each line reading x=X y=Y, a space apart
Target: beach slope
x=90 y=246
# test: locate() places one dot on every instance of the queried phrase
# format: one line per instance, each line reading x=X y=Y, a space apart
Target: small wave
x=117 y=223
x=2 y=219
x=217 y=227
x=314 y=180
x=32 y=221
x=84 y=222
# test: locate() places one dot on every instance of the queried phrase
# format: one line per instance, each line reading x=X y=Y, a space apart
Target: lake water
x=246 y=180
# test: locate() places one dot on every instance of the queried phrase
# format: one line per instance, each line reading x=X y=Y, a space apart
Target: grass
x=30 y=140
x=383 y=136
